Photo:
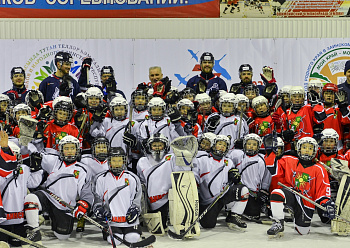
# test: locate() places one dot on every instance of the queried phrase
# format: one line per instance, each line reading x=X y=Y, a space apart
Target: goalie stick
x=311 y=201
x=174 y=235
x=143 y=243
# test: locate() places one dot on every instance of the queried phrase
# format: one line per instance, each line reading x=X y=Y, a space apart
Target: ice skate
x=276 y=230
x=234 y=222
x=33 y=234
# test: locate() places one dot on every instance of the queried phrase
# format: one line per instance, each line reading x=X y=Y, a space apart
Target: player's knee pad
x=132 y=237
x=244 y=193
x=116 y=241
x=302 y=230
x=154 y=223
x=277 y=195
x=61 y=236
x=31 y=202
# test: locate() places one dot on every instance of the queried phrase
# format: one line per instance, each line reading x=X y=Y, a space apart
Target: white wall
x=179 y=28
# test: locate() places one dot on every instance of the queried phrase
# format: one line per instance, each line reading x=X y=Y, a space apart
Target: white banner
x=294 y=60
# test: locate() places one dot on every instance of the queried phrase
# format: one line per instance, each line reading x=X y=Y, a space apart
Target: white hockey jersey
x=163 y=126
x=14 y=182
x=139 y=115
x=213 y=176
x=253 y=170
x=66 y=181
x=230 y=126
x=119 y=193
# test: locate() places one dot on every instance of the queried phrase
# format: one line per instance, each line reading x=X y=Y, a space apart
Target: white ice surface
x=220 y=237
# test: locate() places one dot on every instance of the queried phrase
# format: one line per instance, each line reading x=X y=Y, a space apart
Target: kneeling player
x=306 y=177
x=215 y=172
x=118 y=197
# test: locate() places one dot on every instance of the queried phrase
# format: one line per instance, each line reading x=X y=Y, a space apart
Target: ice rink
x=219 y=237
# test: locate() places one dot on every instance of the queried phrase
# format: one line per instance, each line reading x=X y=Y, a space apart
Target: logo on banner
x=328 y=64
x=41 y=64
x=218 y=69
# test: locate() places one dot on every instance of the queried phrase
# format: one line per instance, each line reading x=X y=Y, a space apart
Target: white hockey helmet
x=206 y=136
x=203 y=98
x=218 y=154
x=280 y=142
x=156 y=102
x=296 y=90
x=315 y=84
x=94 y=92
x=30 y=96
x=69 y=139
x=252 y=136
x=285 y=89
x=118 y=101
x=260 y=100
x=20 y=107
x=240 y=98
x=228 y=98
x=311 y=141
x=62 y=103
x=329 y=133
x=185 y=102
x=4 y=97
x=158 y=154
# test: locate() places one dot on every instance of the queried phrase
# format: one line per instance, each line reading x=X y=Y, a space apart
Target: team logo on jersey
x=168 y=122
x=20 y=170
x=59 y=136
x=167 y=158
x=295 y=123
x=226 y=162
x=132 y=123
x=76 y=174
x=301 y=180
x=335 y=114
x=126 y=182
x=235 y=121
x=263 y=127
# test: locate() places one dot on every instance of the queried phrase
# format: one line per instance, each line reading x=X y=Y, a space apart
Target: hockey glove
x=80 y=101
x=101 y=213
x=142 y=86
x=238 y=144
x=100 y=112
x=66 y=86
x=35 y=161
x=277 y=119
x=81 y=209
x=86 y=63
x=34 y=99
x=267 y=75
x=263 y=196
x=40 y=128
x=314 y=98
x=233 y=176
x=213 y=122
x=44 y=113
x=330 y=206
x=269 y=90
x=111 y=85
x=235 y=88
x=132 y=214
x=174 y=114
x=172 y=97
x=130 y=140
x=201 y=86
x=341 y=98
x=288 y=135
x=8 y=129
x=79 y=117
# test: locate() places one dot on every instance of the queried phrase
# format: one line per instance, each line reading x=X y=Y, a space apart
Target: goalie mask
x=307 y=148
x=20 y=110
x=204 y=101
x=34 y=98
x=297 y=97
x=4 y=103
x=69 y=149
x=100 y=147
x=184 y=106
x=251 y=144
x=94 y=97
x=158 y=145
x=185 y=149
x=156 y=108
x=329 y=141
x=328 y=93
x=241 y=103
x=117 y=160
x=227 y=107
x=62 y=110
x=139 y=99
x=220 y=146
x=119 y=108
x=261 y=106
x=188 y=93
x=206 y=141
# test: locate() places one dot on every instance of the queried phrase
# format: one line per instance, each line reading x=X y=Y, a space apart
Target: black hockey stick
x=174 y=235
x=258 y=221
x=110 y=233
x=143 y=243
x=13 y=235
x=311 y=201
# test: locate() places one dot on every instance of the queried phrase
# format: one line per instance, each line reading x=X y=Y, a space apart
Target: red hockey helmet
x=331 y=87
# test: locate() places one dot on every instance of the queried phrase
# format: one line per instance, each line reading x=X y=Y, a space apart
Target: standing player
x=18 y=92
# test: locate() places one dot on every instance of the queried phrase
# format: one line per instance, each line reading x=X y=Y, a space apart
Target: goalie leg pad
x=342 y=202
x=184 y=203
x=154 y=223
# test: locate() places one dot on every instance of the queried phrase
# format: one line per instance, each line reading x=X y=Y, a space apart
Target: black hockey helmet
x=139 y=92
x=116 y=166
x=100 y=156
x=17 y=70
x=63 y=57
x=245 y=67
x=107 y=69
x=207 y=57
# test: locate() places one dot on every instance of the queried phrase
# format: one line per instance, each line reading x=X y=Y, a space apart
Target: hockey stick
x=258 y=221
x=110 y=233
x=13 y=235
x=82 y=125
x=311 y=201
x=174 y=235
x=143 y=243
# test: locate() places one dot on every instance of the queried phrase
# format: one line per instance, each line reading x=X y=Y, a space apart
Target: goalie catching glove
x=81 y=209
x=132 y=214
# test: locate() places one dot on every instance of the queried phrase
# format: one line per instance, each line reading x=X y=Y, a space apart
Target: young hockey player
x=35 y=100
x=118 y=197
x=215 y=172
x=262 y=124
x=188 y=93
x=206 y=141
x=4 y=105
x=139 y=100
x=14 y=180
x=18 y=111
x=189 y=117
x=254 y=174
x=306 y=177
x=227 y=123
x=204 y=108
x=69 y=180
